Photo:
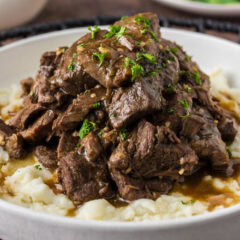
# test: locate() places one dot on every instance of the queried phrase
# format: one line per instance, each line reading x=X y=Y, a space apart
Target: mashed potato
x=25 y=183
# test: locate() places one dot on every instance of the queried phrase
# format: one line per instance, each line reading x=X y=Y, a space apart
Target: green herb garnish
x=198 y=79
x=172 y=87
x=101 y=132
x=74 y=54
x=187 y=58
x=184 y=103
x=71 y=66
x=31 y=93
x=115 y=30
x=99 y=56
x=123 y=18
x=97 y=105
x=154 y=35
x=38 y=167
x=94 y=31
x=171 y=110
x=137 y=70
x=123 y=134
x=229 y=151
x=173 y=50
x=151 y=58
x=86 y=128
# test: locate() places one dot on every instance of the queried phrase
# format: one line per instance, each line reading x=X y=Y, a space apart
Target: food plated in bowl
x=29 y=181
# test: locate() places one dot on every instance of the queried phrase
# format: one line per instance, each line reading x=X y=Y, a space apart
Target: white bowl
x=220 y=10
x=17 y=12
x=21 y=59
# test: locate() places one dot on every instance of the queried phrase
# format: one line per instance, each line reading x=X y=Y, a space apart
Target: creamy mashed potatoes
x=27 y=183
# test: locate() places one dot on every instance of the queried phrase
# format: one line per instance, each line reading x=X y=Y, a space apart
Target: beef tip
x=191 y=125
x=40 y=129
x=177 y=110
x=208 y=143
x=47 y=156
x=226 y=123
x=67 y=143
x=11 y=141
x=70 y=77
x=80 y=107
x=112 y=72
x=84 y=172
x=27 y=84
x=24 y=117
x=132 y=103
x=228 y=128
x=148 y=155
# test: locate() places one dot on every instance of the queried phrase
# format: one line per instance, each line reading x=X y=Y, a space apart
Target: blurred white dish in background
x=221 y=10
x=17 y=12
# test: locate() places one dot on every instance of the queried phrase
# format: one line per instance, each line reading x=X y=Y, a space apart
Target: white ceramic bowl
x=17 y=12
x=220 y=10
x=21 y=59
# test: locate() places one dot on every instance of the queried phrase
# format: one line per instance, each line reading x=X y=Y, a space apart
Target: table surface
x=69 y=9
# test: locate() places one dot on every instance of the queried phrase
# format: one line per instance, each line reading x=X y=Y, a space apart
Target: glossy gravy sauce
x=198 y=189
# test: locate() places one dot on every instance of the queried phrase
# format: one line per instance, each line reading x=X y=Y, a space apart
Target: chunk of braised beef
x=27 y=84
x=208 y=143
x=84 y=172
x=47 y=156
x=12 y=141
x=81 y=106
x=40 y=129
x=26 y=116
x=129 y=104
x=148 y=155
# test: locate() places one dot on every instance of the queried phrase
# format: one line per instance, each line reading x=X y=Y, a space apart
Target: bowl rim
x=115 y=225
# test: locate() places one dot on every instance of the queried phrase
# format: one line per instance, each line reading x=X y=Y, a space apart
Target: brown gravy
x=198 y=189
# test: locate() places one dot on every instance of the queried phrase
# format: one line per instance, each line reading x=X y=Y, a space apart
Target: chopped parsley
x=123 y=18
x=86 y=128
x=153 y=74
x=31 y=93
x=94 y=30
x=99 y=56
x=101 y=132
x=81 y=45
x=38 y=167
x=115 y=30
x=187 y=58
x=74 y=54
x=228 y=149
x=146 y=21
x=137 y=70
x=171 y=87
x=97 y=105
x=154 y=35
x=197 y=78
x=123 y=134
x=121 y=32
x=171 y=110
x=188 y=202
x=143 y=31
x=71 y=66
x=184 y=103
x=173 y=50
x=149 y=57
x=79 y=145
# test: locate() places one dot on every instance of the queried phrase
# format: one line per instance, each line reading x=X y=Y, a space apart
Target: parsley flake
x=123 y=134
x=38 y=167
x=171 y=110
x=121 y=32
x=137 y=70
x=173 y=50
x=86 y=128
x=198 y=79
x=101 y=132
x=151 y=58
x=115 y=30
x=71 y=66
x=99 y=56
x=123 y=18
x=97 y=105
x=94 y=30
x=184 y=103
x=187 y=58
